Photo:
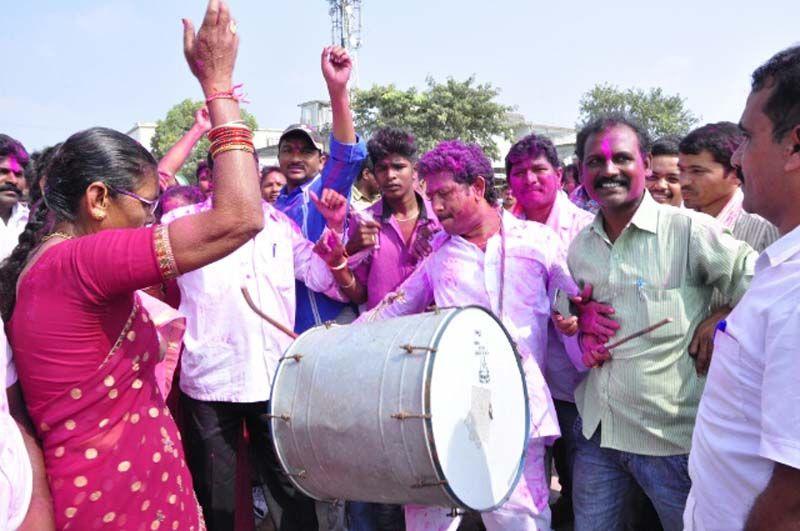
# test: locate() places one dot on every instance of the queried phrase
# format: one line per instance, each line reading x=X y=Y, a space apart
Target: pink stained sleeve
x=119 y=261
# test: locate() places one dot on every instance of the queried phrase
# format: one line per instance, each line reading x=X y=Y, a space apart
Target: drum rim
x=273 y=420
x=426 y=404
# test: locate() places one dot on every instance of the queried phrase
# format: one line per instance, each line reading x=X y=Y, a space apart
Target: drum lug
x=328 y=324
x=295 y=357
x=403 y=416
x=455 y=512
x=300 y=474
x=421 y=484
x=411 y=348
x=284 y=417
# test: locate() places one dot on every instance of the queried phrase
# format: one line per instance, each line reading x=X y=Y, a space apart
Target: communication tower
x=346 y=30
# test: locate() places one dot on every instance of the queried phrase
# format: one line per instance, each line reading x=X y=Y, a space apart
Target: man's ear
x=98 y=200
x=479 y=186
x=648 y=165
x=793 y=160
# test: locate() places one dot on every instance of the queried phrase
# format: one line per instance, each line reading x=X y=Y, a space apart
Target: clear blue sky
x=80 y=63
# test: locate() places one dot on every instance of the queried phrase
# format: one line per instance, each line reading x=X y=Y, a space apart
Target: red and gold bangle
x=230 y=131
x=232 y=147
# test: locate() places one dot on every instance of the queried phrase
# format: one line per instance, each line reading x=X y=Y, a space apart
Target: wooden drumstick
x=640 y=333
x=266 y=317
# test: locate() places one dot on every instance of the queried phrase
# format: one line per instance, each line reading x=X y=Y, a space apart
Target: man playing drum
x=511 y=266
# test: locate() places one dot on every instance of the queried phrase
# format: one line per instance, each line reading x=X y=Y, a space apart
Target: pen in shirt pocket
x=274 y=245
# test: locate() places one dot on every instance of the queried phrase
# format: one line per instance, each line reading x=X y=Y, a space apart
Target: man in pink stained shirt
x=390 y=228
x=513 y=267
x=535 y=176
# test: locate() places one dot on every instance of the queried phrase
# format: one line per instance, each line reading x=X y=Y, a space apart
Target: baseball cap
x=310 y=133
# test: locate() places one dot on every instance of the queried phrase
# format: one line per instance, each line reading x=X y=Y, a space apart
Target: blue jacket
x=339 y=173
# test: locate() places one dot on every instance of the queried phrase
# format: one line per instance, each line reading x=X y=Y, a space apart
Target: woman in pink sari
x=84 y=345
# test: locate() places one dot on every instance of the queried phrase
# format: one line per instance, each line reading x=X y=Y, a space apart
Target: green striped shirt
x=666 y=263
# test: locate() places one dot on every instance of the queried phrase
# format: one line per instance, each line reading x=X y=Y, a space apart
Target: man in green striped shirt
x=649 y=261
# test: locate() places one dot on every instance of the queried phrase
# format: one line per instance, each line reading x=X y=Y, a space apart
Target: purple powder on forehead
x=464 y=161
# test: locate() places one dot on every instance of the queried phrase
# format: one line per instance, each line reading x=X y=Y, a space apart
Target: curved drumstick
x=264 y=316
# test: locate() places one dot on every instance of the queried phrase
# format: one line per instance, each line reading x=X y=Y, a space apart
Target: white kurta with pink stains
x=458 y=273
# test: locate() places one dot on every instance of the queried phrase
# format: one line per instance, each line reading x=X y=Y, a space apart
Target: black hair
x=391 y=141
x=574 y=171
x=532 y=146
x=202 y=165
x=666 y=146
x=11 y=147
x=720 y=139
x=37 y=169
x=607 y=121
x=93 y=155
x=266 y=170
x=782 y=73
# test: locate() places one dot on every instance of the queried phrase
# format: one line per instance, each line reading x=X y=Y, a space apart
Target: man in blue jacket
x=301 y=157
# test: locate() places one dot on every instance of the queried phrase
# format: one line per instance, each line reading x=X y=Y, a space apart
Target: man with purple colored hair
x=464 y=269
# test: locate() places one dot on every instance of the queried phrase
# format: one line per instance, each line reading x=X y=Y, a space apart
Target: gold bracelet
x=339 y=267
x=349 y=284
x=235 y=147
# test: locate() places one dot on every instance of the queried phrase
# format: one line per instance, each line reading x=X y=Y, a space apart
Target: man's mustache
x=6 y=187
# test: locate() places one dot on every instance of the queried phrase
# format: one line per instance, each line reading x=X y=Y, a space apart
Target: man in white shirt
x=15 y=467
x=231 y=355
x=745 y=458
x=534 y=174
x=13 y=214
x=513 y=267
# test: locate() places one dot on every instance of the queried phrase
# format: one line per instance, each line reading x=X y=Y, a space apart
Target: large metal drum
x=427 y=409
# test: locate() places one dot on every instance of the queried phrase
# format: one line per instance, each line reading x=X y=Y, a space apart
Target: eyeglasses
x=150 y=204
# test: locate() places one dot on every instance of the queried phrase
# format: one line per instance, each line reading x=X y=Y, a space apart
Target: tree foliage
x=176 y=123
x=463 y=110
x=659 y=113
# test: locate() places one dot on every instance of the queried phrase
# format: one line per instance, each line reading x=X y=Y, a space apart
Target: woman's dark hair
x=37 y=169
x=93 y=155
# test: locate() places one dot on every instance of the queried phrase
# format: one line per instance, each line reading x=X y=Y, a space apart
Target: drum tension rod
x=403 y=416
x=300 y=474
x=455 y=512
x=284 y=417
x=422 y=484
x=295 y=357
x=411 y=348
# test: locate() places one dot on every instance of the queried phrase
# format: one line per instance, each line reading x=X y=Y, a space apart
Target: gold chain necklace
x=409 y=218
x=52 y=235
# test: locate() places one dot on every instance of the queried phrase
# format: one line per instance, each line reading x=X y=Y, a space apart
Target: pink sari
x=113 y=454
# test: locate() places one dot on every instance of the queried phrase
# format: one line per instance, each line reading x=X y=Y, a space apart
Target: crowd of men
x=695 y=425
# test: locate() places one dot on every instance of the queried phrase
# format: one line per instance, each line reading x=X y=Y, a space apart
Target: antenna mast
x=346 y=30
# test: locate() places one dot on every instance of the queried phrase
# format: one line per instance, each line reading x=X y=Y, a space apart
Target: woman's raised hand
x=211 y=52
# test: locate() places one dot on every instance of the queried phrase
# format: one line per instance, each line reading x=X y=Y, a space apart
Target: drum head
x=479 y=409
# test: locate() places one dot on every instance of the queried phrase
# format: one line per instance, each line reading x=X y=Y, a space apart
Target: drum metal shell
x=336 y=400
